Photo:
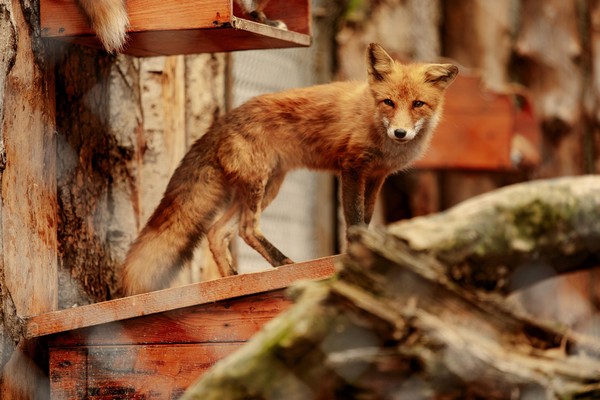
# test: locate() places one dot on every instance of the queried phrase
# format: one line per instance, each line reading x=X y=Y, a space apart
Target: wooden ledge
x=179 y=297
x=167 y=27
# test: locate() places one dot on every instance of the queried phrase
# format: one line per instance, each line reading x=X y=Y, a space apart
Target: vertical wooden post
x=28 y=215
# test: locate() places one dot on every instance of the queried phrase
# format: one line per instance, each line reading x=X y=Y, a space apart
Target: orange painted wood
x=156 y=344
x=478 y=129
x=234 y=320
x=165 y=27
x=175 y=298
x=131 y=372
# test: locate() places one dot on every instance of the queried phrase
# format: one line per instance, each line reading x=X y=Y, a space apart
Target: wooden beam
x=180 y=297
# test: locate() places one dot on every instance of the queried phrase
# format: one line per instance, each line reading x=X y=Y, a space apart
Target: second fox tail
x=109 y=20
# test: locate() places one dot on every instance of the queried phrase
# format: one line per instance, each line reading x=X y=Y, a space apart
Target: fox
x=110 y=21
x=362 y=131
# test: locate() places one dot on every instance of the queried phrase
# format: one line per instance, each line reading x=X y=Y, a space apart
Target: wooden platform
x=155 y=344
x=168 y=27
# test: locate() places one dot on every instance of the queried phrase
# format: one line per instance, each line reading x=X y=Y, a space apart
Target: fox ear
x=379 y=63
x=441 y=75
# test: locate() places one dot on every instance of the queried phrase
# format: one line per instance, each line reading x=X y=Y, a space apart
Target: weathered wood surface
x=174 y=298
x=155 y=355
x=229 y=320
x=99 y=143
x=131 y=372
x=400 y=322
x=28 y=212
x=159 y=27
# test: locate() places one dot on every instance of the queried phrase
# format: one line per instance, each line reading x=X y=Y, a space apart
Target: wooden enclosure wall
x=550 y=47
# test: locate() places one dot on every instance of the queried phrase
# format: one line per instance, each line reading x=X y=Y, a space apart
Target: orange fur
x=352 y=128
x=109 y=20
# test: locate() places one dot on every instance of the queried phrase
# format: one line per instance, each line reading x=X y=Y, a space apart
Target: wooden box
x=156 y=344
x=167 y=27
x=484 y=130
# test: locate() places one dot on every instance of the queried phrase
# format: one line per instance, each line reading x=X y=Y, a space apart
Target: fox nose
x=400 y=133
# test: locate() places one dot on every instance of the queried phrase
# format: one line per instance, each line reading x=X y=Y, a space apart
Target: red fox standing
x=363 y=131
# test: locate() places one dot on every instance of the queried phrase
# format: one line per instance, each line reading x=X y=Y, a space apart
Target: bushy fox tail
x=109 y=20
x=187 y=210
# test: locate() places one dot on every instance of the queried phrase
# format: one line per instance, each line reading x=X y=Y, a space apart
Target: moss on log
x=498 y=240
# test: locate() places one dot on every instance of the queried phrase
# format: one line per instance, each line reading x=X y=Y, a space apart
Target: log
x=395 y=323
x=497 y=241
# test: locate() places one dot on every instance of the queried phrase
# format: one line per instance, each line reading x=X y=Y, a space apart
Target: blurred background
x=527 y=108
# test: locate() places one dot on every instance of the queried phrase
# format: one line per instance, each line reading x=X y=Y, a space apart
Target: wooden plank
x=68 y=370
x=157 y=43
x=478 y=128
x=475 y=130
x=132 y=372
x=174 y=298
x=234 y=320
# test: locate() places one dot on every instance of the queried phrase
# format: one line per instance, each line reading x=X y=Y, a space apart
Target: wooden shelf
x=484 y=130
x=167 y=27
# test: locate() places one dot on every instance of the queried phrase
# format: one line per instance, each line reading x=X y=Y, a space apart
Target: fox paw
x=260 y=16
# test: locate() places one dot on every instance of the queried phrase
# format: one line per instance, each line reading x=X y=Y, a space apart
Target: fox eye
x=418 y=104
x=389 y=102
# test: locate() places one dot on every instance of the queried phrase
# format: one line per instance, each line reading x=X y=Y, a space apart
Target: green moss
x=537 y=218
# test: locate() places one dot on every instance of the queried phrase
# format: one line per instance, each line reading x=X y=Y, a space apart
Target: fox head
x=409 y=97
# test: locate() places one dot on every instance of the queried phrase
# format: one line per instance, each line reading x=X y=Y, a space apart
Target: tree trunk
x=401 y=320
x=99 y=132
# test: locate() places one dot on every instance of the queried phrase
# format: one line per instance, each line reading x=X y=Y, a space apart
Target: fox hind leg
x=219 y=237
x=256 y=197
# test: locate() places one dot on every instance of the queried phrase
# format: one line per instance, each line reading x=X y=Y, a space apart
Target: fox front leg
x=372 y=189
x=353 y=197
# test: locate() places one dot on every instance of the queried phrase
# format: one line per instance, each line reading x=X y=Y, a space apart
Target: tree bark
x=501 y=240
x=100 y=140
x=399 y=322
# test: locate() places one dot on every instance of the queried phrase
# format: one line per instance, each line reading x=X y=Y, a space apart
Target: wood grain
x=234 y=320
x=171 y=299
x=132 y=372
